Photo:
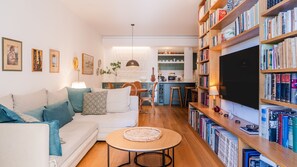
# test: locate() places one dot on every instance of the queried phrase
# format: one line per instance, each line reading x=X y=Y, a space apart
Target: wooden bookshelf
x=279 y=70
x=201 y=36
x=280 y=155
x=205 y=17
x=280 y=38
x=280 y=7
x=279 y=103
x=203 y=74
x=231 y=16
x=203 y=88
x=205 y=47
x=248 y=34
x=218 y=4
x=204 y=61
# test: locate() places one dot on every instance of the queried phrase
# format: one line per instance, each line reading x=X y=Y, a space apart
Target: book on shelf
x=281 y=87
x=203 y=81
x=204 y=55
x=204 y=41
x=266 y=162
x=294 y=128
x=283 y=23
x=203 y=10
x=279 y=56
x=204 y=68
x=217 y=16
x=250 y=157
x=204 y=98
x=271 y=3
x=204 y=27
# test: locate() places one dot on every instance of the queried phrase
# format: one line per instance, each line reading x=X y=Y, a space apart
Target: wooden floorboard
x=192 y=151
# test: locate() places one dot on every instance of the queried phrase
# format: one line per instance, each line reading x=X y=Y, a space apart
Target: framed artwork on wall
x=54 y=62
x=12 y=55
x=87 y=64
x=37 y=60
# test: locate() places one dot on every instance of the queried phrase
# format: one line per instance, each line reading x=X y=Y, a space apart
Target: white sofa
x=27 y=145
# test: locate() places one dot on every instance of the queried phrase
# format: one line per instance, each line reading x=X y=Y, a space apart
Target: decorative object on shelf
x=213 y=91
x=114 y=69
x=132 y=63
x=12 y=55
x=87 y=64
x=142 y=134
x=77 y=84
x=37 y=59
x=54 y=61
x=153 y=78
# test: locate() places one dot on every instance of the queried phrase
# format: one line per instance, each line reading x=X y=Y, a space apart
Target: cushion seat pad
x=74 y=134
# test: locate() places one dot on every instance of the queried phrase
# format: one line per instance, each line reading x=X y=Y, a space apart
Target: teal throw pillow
x=37 y=113
x=70 y=108
x=76 y=97
x=55 y=147
x=7 y=115
x=59 y=113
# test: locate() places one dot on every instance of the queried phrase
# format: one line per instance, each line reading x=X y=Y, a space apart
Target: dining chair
x=137 y=84
x=133 y=91
x=110 y=85
x=150 y=98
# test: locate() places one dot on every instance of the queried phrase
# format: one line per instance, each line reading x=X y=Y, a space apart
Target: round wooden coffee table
x=167 y=142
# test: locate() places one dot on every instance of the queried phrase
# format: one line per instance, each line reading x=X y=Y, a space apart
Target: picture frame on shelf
x=37 y=60
x=87 y=64
x=54 y=62
x=12 y=55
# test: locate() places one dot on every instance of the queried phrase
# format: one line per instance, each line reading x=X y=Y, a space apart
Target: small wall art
x=11 y=55
x=87 y=64
x=54 y=62
x=37 y=60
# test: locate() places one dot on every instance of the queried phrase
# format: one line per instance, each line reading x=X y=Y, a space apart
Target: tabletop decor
x=142 y=134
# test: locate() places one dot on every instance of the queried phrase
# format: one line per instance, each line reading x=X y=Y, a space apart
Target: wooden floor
x=192 y=152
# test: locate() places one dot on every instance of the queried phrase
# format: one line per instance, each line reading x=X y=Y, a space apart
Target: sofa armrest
x=134 y=103
x=24 y=145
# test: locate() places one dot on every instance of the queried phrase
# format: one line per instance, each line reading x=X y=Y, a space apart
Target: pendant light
x=132 y=63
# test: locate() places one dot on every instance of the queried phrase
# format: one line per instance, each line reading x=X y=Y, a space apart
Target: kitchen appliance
x=171 y=78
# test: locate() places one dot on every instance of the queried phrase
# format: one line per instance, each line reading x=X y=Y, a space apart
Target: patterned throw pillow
x=95 y=103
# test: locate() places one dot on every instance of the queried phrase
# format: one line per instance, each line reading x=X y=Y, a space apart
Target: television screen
x=239 y=77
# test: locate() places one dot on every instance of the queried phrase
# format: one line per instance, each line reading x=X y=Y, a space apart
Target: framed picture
x=37 y=60
x=54 y=62
x=87 y=64
x=12 y=55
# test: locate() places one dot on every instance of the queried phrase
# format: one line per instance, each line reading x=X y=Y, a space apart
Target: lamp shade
x=213 y=91
x=132 y=63
x=78 y=85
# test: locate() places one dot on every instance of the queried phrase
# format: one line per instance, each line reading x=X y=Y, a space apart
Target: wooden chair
x=110 y=86
x=133 y=91
x=150 y=99
x=137 y=84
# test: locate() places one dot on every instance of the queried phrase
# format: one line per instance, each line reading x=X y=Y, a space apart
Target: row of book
x=279 y=124
x=217 y=16
x=252 y=158
x=203 y=68
x=204 y=27
x=271 y=3
x=279 y=56
x=243 y=22
x=281 y=87
x=203 y=55
x=203 y=81
x=203 y=10
x=222 y=142
x=283 y=23
x=204 y=98
x=204 y=41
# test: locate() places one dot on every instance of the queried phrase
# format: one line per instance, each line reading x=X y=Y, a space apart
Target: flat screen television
x=239 y=77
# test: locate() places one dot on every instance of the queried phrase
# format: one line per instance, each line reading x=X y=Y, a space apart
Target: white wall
x=46 y=24
x=118 y=48
x=239 y=110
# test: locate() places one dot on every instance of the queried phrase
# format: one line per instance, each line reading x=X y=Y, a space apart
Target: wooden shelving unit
x=279 y=38
x=279 y=70
x=280 y=7
x=201 y=36
x=204 y=61
x=279 y=103
x=275 y=152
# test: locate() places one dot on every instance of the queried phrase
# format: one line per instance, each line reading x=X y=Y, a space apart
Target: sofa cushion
x=37 y=113
x=69 y=106
x=59 y=113
x=7 y=101
x=76 y=97
x=7 y=115
x=74 y=134
x=54 y=138
x=59 y=97
x=95 y=103
x=29 y=102
x=118 y=100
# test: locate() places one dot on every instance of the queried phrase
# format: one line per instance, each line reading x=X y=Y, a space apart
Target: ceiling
x=151 y=17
